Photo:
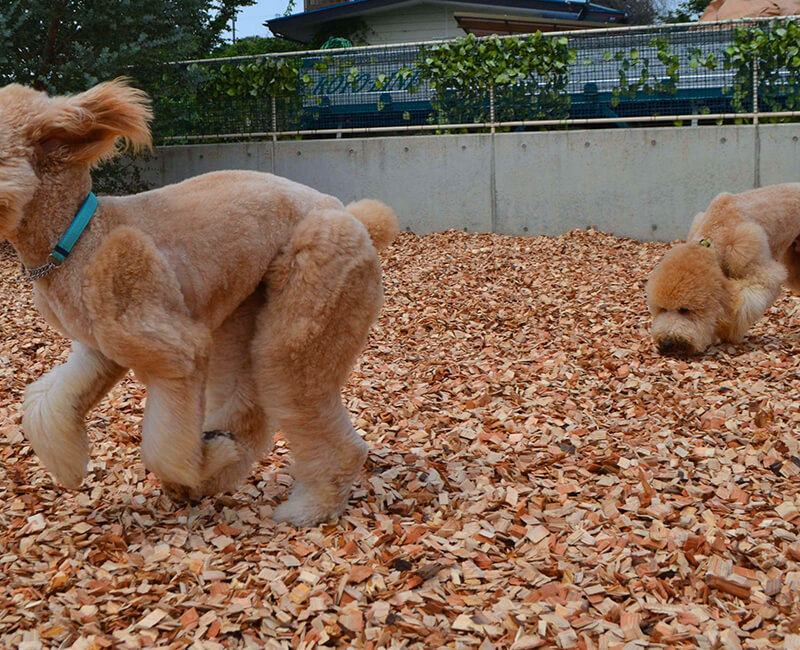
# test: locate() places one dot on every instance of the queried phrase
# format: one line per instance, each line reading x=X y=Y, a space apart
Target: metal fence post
x=274 y=131
x=491 y=107
x=492 y=161
x=756 y=132
x=755 y=90
x=274 y=119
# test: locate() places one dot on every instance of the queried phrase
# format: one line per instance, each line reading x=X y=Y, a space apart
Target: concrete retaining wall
x=641 y=183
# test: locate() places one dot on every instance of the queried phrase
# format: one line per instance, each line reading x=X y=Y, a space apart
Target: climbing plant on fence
x=243 y=91
x=634 y=72
x=528 y=76
x=251 y=84
x=775 y=49
x=255 y=78
x=233 y=97
x=176 y=103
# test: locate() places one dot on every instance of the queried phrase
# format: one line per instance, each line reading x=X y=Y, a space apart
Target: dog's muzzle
x=674 y=348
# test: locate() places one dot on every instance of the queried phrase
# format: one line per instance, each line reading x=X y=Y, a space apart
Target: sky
x=249 y=20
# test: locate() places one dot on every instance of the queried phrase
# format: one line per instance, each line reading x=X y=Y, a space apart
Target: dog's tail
x=379 y=219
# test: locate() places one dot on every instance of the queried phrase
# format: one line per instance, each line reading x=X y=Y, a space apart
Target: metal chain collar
x=64 y=246
x=31 y=275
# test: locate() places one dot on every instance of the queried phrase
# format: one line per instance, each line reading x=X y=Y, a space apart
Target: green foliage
x=354 y=30
x=68 y=45
x=639 y=12
x=775 y=48
x=65 y=46
x=249 y=86
x=699 y=60
x=335 y=42
x=635 y=76
x=528 y=76
x=686 y=12
x=122 y=175
x=252 y=45
x=262 y=77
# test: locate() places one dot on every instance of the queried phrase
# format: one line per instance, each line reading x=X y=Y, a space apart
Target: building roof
x=302 y=27
x=733 y=9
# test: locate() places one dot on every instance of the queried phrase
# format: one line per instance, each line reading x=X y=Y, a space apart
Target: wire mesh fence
x=619 y=77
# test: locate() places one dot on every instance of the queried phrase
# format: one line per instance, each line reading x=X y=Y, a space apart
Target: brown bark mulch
x=538 y=478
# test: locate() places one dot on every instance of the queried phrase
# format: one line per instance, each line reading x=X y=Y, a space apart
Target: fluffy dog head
x=690 y=300
x=41 y=136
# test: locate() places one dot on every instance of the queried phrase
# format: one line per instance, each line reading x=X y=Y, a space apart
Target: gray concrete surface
x=780 y=153
x=643 y=183
x=433 y=182
x=638 y=183
x=174 y=164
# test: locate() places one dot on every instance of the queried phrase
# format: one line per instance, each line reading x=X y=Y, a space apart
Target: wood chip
x=538 y=477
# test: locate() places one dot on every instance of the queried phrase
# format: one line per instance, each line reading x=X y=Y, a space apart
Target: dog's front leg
x=751 y=296
x=171 y=430
x=140 y=317
x=55 y=407
x=237 y=432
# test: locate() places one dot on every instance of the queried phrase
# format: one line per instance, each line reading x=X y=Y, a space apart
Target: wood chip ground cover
x=538 y=478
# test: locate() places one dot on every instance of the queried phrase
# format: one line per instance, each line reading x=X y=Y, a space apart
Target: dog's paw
x=219 y=452
x=305 y=508
x=55 y=430
x=181 y=494
x=216 y=433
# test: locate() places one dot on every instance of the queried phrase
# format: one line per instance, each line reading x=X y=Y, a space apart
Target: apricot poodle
x=239 y=298
x=722 y=280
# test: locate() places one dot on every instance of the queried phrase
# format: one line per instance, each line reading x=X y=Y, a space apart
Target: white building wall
x=418 y=23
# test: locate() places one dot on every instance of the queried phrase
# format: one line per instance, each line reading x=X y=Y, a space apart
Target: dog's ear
x=86 y=127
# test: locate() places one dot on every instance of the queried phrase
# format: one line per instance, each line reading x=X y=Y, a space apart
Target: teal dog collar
x=64 y=246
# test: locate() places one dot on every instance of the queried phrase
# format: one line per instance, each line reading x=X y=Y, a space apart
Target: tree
x=687 y=11
x=69 y=45
x=251 y=45
x=640 y=12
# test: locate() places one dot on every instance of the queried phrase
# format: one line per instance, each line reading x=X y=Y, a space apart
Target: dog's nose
x=673 y=347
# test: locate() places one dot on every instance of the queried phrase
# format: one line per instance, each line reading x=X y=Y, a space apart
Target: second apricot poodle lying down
x=240 y=299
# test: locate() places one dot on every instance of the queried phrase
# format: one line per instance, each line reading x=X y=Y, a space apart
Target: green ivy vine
x=775 y=49
x=254 y=77
x=248 y=86
x=635 y=76
x=528 y=76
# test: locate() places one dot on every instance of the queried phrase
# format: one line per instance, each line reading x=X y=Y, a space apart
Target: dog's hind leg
x=55 y=407
x=791 y=260
x=324 y=292
x=237 y=433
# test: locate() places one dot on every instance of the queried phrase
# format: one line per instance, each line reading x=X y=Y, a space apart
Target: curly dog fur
x=240 y=299
x=722 y=280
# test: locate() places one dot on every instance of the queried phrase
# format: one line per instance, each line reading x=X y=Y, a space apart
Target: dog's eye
x=684 y=310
